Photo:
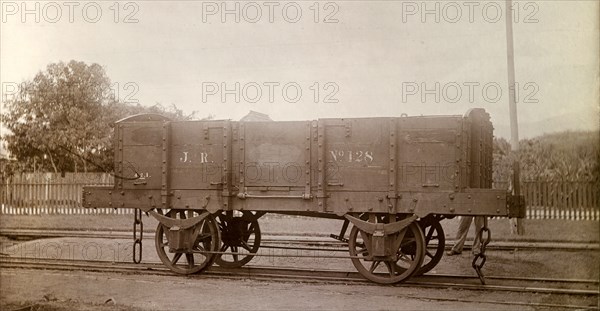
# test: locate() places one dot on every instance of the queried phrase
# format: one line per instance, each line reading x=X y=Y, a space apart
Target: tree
x=61 y=120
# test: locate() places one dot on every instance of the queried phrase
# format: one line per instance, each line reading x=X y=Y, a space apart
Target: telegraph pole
x=516 y=223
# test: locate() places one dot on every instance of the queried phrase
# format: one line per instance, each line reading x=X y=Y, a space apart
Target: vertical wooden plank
x=17 y=197
x=525 y=193
x=543 y=199
x=548 y=199
x=565 y=194
x=12 y=190
x=531 y=192
x=572 y=198
x=538 y=201
x=40 y=195
x=592 y=203
x=569 y=194
x=564 y=190
x=73 y=189
x=11 y=194
x=586 y=194
x=586 y=200
x=43 y=197
x=575 y=199
x=19 y=193
x=6 y=189
x=534 y=196
x=580 y=200
x=532 y=206
x=51 y=195
x=32 y=192
x=583 y=192
x=595 y=202
x=21 y=198
x=555 y=202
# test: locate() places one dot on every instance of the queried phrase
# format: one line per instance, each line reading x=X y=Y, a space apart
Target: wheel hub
x=234 y=232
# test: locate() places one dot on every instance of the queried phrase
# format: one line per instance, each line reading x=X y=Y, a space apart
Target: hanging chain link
x=138 y=226
x=480 y=258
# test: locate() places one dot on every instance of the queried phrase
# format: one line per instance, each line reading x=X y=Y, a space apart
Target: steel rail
x=305 y=274
x=270 y=274
x=118 y=234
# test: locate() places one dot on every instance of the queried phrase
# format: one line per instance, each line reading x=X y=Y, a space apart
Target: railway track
x=584 y=291
x=278 y=238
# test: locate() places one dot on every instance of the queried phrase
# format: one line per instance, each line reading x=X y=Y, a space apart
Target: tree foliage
x=61 y=120
x=565 y=156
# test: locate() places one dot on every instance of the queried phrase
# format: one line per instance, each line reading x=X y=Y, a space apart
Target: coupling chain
x=480 y=258
x=138 y=225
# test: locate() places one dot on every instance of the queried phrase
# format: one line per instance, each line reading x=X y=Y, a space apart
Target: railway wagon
x=393 y=178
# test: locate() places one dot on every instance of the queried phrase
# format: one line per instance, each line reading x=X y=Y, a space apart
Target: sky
x=302 y=60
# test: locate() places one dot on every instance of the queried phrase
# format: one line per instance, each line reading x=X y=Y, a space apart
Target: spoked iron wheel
x=433 y=253
x=207 y=239
x=409 y=255
x=238 y=235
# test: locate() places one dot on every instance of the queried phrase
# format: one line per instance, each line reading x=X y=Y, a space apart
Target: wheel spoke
x=362 y=251
x=201 y=248
x=405 y=259
x=429 y=234
x=246 y=246
x=429 y=254
x=391 y=268
x=176 y=258
x=190 y=259
x=224 y=247
x=204 y=236
x=407 y=241
x=234 y=249
x=374 y=266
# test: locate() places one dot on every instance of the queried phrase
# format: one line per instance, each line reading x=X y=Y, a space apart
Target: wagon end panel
x=138 y=160
x=430 y=154
x=479 y=146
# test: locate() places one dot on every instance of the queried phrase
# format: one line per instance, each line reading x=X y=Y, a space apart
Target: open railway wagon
x=393 y=178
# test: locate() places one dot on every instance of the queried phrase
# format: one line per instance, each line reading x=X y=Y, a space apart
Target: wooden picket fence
x=574 y=200
x=49 y=193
